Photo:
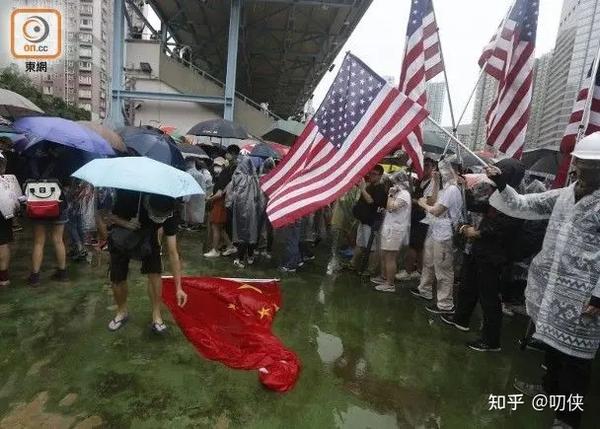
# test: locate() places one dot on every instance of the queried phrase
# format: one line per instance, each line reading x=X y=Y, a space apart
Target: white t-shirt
x=441 y=227
x=399 y=218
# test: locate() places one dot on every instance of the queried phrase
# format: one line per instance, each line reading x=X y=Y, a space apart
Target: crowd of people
x=461 y=239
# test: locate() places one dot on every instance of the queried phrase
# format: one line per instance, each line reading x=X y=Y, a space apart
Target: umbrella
x=546 y=166
x=192 y=151
x=152 y=143
x=219 y=128
x=264 y=150
x=14 y=105
x=61 y=131
x=8 y=132
x=139 y=174
x=109 y=135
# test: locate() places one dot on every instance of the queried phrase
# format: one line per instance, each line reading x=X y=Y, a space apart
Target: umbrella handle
x=137 y=216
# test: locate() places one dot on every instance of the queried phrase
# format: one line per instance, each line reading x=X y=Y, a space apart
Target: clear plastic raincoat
x=566 y=273
x=195 y=206
x=246 y=202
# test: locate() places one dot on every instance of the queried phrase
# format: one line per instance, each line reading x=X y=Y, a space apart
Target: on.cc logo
x=36 y=33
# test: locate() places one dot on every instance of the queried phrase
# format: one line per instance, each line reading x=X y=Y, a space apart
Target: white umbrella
x=14 y=105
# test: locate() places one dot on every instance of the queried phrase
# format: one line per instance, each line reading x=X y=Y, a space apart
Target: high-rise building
x=484 y=97
x=81 y=75
x=436 y=95
x=576 y=46
x=540 y=86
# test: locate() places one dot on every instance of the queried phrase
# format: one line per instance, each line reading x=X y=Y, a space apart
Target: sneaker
x=507 y=310
x=300 y=264
x=4 y=283
x=159 y=328
x=449 y=320
x=309 y=258
x=415 y=275
x=528 y=389
x=34 y=279
x=481 y=346
x=433 y=308
x=232 y=250
x=287 y=270
x=378 y=280
x=212 y=254
x=250 y=260
x=416 y=292
x=265 y=255
x=238 y=264
x=60 y=276
x=385 y=288
x=402 y=275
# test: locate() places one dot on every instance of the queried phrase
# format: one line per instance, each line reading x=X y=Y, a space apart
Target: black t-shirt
x=126 y=207
x=367 y=213
x=224 y=177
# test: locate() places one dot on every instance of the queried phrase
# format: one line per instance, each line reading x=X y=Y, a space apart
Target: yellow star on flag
x=232 y=306
x=264 y=312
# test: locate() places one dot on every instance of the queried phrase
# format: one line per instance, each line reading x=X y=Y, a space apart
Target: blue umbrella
x=8 y=132
x=152 y=143
x=61 y=131
x=139 y=174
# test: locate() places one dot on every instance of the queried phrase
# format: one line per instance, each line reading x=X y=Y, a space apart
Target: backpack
x=43 y=199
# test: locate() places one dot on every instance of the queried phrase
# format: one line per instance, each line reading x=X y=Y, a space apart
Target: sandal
x=158 y=328
x=116 y=324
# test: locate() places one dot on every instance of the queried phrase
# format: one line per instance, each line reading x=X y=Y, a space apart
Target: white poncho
x=566 y=273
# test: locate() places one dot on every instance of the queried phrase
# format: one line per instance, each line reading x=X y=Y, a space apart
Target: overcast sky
x=465 y=28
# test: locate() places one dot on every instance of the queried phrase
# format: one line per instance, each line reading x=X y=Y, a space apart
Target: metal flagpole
x=450 y=136
x=481 y=72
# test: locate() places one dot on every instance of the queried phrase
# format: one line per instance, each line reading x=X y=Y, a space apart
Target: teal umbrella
x=139 y=174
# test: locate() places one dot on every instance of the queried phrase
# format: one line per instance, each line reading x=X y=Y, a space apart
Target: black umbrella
x=152 y=143
x=192 y=151
x=219 y=128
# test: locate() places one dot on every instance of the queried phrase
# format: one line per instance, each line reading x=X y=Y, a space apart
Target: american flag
x=422 y=62
x=360 y=121
x=509 y=57
x=577 y=117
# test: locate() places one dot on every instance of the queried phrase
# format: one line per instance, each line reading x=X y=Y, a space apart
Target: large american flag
x=360 y=121
x=422 y=62
x=576 y=121
x=509 y=57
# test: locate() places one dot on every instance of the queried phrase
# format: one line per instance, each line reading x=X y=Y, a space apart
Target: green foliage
x=12 y=79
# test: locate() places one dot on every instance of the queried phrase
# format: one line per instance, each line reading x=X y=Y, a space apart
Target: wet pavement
x=370 y=360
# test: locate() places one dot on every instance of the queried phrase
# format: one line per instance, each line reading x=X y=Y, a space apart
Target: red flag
x=229 y=320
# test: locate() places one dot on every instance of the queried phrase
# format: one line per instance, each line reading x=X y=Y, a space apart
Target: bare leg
x=216 y=230
x=101 y=227
x=389 y=260
x=120 y=295
x=154 y=291
x=59 y=246
x=225 y=237
x=382 y=258
x=37 y=255
x=4 y=257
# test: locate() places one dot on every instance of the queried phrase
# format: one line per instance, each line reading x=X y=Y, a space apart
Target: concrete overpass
x=282 y=48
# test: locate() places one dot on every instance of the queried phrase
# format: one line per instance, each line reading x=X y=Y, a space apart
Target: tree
x=12 y=79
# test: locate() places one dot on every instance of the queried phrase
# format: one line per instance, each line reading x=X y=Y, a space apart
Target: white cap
x=219 y=161
x=588 y=147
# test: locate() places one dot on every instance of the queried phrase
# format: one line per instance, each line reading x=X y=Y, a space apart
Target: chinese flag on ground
x=229 y=320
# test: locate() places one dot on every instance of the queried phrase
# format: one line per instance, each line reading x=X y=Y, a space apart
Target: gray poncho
x=246 y=202
x=566 y=273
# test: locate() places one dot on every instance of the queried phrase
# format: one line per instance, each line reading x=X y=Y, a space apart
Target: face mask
x=218 y=170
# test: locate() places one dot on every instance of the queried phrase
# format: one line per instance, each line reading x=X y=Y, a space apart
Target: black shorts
x=418 y=233
x=6 y=231
x=119 y=265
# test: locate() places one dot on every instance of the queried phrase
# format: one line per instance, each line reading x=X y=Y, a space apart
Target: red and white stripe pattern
x=361 y=120
x=509 y=58
x=569 y=140
x=422 y=62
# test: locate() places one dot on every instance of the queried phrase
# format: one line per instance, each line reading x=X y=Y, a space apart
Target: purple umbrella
x=60 y=131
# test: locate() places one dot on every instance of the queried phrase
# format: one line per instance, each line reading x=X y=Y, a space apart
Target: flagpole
x=481 y=73
x=451 y=137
